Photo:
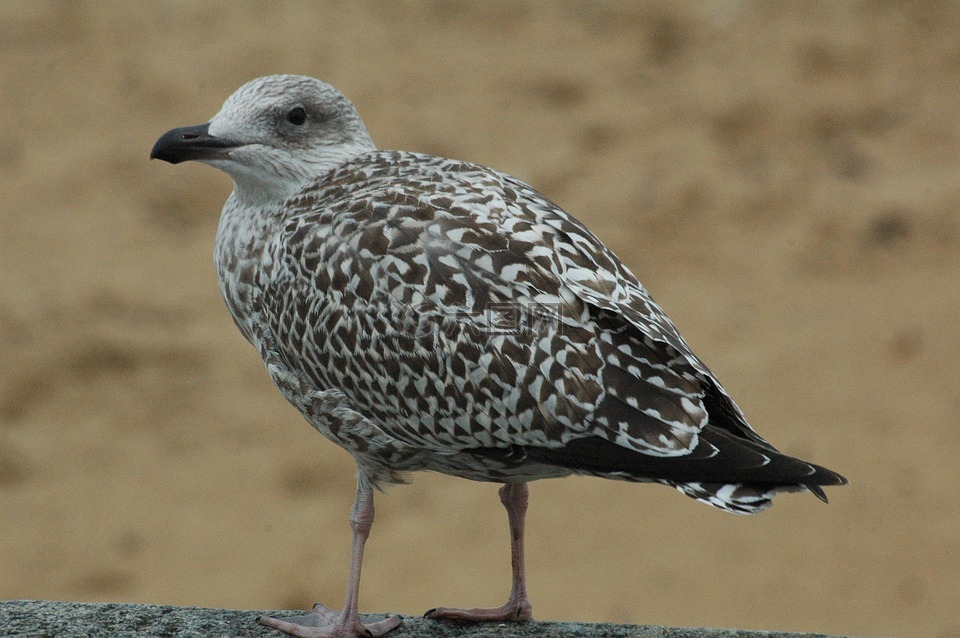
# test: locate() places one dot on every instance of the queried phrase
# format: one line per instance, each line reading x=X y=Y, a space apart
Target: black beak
x=190 y=143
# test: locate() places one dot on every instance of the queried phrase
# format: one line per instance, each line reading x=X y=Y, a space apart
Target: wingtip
x=833 y=479
x=817 y=491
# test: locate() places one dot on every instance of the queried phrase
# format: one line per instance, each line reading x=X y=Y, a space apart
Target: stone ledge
x=40 y=618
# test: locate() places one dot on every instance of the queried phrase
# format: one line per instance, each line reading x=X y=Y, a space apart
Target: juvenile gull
x=431 y=314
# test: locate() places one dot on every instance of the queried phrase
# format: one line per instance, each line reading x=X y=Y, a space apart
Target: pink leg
x=327 y=623
x=514 y=497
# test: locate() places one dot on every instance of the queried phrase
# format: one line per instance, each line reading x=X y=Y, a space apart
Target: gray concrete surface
x=39 y=618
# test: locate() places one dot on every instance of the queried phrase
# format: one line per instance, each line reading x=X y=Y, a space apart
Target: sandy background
x=783 y=177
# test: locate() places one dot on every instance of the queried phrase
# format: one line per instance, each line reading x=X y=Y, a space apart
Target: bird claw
x=323 y=622
x=512 y=611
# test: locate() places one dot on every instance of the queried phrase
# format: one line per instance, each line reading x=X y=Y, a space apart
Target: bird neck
x=242 y=257
x=273 y=179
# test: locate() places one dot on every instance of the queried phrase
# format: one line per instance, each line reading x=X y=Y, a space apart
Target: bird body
x=431 y=314
x=471 y=327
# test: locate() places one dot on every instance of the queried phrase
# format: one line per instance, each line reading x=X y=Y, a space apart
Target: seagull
x=426 y=313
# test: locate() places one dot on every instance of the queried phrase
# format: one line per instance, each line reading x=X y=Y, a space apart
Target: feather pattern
x=431 y=314
x=481 y=331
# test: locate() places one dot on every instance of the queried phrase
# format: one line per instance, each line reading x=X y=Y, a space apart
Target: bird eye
x=297 y=116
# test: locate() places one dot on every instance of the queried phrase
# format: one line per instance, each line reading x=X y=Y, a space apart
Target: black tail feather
x=732 y=460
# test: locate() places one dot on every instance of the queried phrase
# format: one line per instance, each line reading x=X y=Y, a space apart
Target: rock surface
x=39 y=618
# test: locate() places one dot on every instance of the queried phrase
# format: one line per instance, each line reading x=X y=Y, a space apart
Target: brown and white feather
x=432 y=314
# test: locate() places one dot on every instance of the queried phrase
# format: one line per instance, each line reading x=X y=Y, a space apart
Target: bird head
x=274 y=135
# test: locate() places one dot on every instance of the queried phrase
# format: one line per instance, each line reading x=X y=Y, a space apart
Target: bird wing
x=458 y=308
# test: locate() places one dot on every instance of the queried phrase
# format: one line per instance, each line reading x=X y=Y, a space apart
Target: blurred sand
x=783 y=177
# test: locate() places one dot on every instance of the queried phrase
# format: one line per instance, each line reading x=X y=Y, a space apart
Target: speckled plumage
x=431 y=314
x=380 y=284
